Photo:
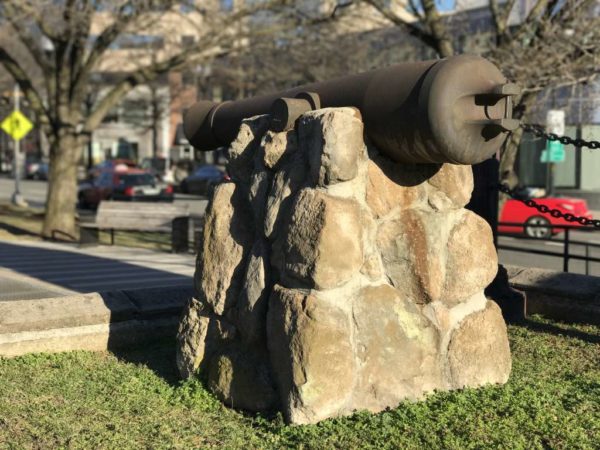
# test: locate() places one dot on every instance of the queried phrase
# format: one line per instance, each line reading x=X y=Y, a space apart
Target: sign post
x=16 y=125
x=555 y=151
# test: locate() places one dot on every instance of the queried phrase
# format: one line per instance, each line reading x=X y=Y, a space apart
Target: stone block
x=310 y=345
x=200 y=334
x=228 y=237
x=242 y=151
x=242 y=380
x=254 y=296
x=393 y=186
x=413 y=252
x=472 y=261
x=286 y=183
x=453 y=185
x=390 y=332
x=479 y=353
x=277 y=148
x=333 y=140
x=323 y=242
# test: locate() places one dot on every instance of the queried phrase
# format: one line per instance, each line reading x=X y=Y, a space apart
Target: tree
x=553 y=45
x=67 y=41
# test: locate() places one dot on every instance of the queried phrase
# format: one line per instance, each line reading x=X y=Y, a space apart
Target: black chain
x=566 y=140
x=556 y=213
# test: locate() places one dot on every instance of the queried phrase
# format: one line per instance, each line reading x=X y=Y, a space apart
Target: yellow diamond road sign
x=16 y=125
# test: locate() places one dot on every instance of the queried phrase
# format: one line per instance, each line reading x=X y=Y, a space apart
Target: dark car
x=130 y=185
x=36 y=170
x=156 y=166
x=203 y=180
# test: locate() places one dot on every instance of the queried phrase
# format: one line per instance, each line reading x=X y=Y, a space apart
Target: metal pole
x=587 y=259
x=566 y=251
x=17 y=198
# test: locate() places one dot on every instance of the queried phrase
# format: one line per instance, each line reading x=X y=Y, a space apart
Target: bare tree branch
x=24 y=82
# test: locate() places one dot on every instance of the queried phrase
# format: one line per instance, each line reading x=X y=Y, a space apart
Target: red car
x=123 y=185
x=517 y=212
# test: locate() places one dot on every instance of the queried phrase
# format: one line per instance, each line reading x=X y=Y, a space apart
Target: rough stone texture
x=333 y=141
x=390 y=331
x=452 y=185
x=330 y=281
x=242 y=150
x=198 y=336
x=254 y=296
x=311 y=351
x=228 y=235
x=393 y=186
x=323 y=246
x=242 y=380
x=479 y=353
x=477 y=268
x=277 y=148
x=286 y=183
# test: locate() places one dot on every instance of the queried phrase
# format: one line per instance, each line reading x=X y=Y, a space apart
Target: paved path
x=42 y=269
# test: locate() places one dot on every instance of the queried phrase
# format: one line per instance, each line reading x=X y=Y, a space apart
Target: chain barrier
x=566 y=140
x=556 y=213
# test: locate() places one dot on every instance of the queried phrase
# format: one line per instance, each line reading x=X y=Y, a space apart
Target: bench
x=138 y=216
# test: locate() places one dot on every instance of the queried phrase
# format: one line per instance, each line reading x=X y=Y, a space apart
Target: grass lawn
x=26 y=224
x=134 y=400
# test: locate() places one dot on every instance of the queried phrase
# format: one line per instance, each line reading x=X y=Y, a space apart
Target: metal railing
x=566 y=240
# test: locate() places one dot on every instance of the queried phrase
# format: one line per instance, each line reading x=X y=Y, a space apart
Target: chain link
x=544 y=209
x=566 y=140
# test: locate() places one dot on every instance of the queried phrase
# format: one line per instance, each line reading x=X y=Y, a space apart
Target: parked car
x=36 y=170
x=156 y=166
x=540 y=225
x=123 y=185
x=109 y=164
x=203 y=180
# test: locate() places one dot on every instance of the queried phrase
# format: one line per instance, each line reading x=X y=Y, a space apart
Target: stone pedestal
x=331 y=279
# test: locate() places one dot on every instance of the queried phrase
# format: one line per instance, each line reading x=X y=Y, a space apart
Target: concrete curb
x=561 y=296
x=95 y=321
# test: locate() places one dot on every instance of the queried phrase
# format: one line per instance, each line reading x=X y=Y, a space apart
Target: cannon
x=454 y=110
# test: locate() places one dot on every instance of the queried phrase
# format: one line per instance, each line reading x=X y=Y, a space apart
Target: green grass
x=134 y=400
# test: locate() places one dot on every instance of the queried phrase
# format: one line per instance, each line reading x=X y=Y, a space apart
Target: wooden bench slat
x=141 y=216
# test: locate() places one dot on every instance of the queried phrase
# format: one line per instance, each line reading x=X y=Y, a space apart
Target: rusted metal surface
x=455 y=110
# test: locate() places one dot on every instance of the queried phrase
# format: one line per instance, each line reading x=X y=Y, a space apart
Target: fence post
x=566 y=251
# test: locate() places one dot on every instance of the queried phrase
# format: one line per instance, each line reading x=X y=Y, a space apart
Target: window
x=133 y=41
x=226 y=5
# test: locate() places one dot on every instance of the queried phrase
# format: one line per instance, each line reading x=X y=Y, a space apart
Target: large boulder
x=331 y=279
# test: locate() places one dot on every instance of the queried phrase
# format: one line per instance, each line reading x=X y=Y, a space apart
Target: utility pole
x=17 y=198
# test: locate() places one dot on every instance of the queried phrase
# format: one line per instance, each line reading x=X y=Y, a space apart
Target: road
x=35 y=194
x=554 y=246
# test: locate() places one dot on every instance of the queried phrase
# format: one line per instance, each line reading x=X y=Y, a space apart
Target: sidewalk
x=30 y=270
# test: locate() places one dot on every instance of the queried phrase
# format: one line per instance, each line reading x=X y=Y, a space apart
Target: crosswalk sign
x=16 y=125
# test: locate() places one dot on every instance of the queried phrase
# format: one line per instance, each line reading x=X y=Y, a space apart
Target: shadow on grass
x=17 y=231
x=559 y=329
x=158 y=356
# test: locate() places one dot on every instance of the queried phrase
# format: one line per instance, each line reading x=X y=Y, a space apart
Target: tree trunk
x=59 y=221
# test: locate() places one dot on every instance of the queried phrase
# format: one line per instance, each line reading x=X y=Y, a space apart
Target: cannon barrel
x=455 y=110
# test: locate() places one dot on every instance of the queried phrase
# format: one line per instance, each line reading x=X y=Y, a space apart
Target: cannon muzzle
x=456 y=110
